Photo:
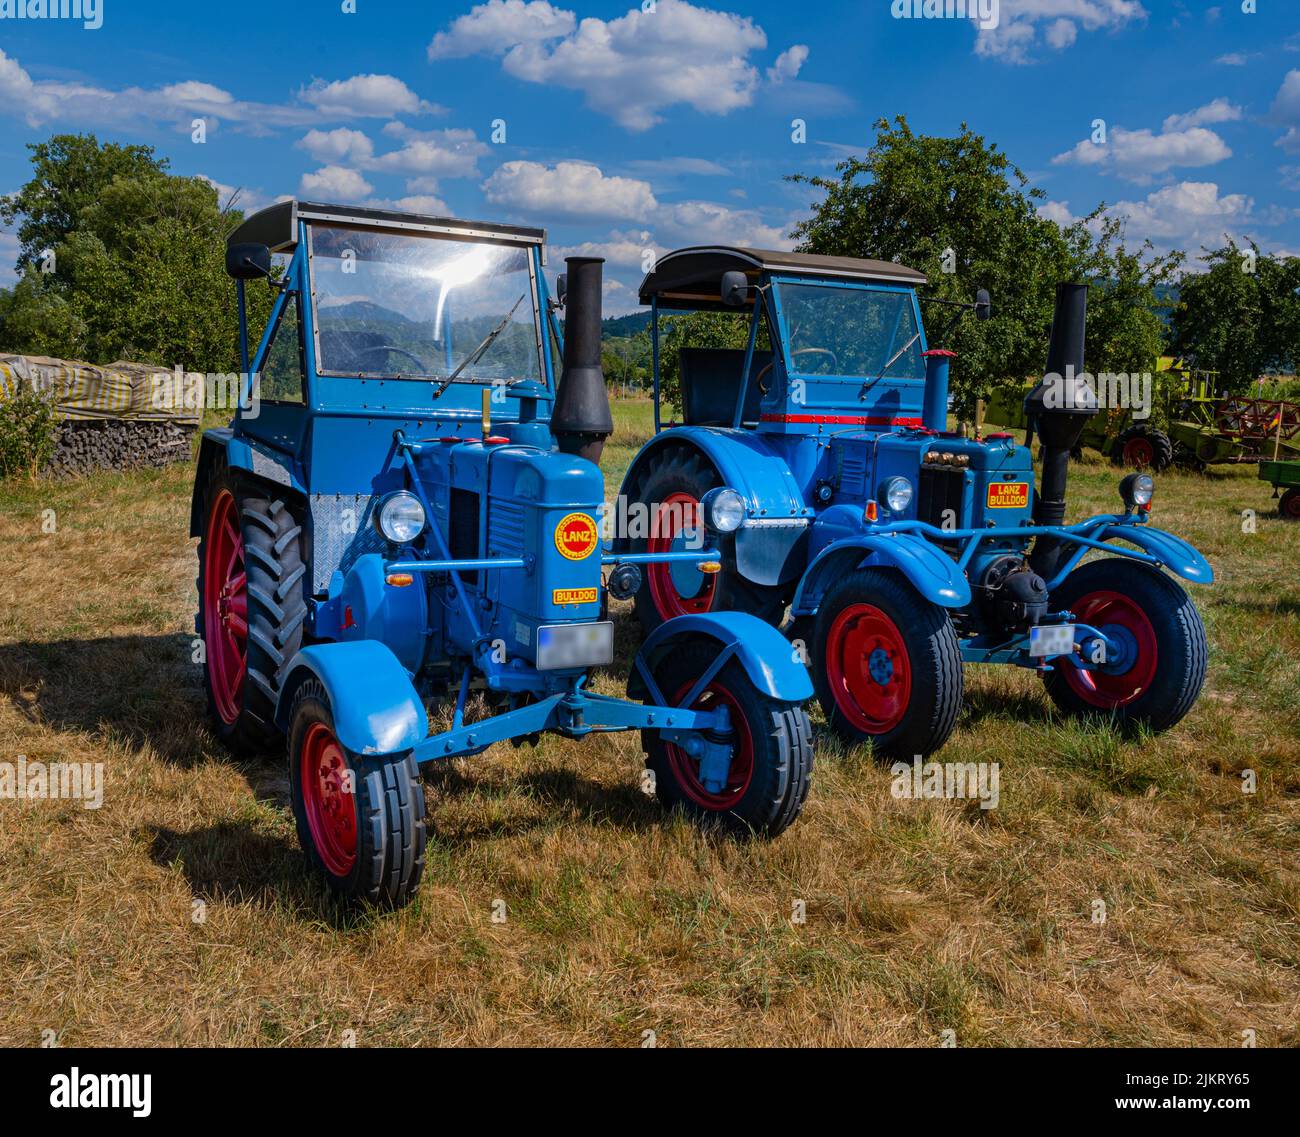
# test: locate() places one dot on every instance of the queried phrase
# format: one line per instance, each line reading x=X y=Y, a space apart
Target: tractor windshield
x=422 y=307
x=840 y=330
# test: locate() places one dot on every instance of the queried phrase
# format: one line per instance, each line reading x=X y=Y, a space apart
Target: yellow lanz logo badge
x=576 y=536
x=1008 y=495
x=573 y=596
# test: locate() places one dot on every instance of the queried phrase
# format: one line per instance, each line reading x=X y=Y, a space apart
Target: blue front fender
x=927 y=568
x=376 y=709
x=764 y=653
x=1172 y=552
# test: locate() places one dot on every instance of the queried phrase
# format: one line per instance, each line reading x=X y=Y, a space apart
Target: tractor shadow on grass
x=234 y=864
x=140 y=690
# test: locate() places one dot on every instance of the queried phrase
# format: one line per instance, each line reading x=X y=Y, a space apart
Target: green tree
x=1241 y=317
x=139 y=261
x=69 y=173
x=698 y=329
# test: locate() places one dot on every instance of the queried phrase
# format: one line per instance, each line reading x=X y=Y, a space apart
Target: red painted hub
x=868 y=669
x=1104 y=689
x=1290 y=505
x=225 y=607
x=1139 y=452
x=329 y=799
x=676 y=512
x=687 y=769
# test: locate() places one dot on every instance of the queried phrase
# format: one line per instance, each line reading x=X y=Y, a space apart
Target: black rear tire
x=388 y=823
x=276 y=594
x=683 y=470
x=887 y=665
x=772 y=763
x=1288 y=508
x=1151 y=441
x=1157 y=689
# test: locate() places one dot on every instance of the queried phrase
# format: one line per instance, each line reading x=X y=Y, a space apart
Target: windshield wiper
x=890 y=363
x=475 y=355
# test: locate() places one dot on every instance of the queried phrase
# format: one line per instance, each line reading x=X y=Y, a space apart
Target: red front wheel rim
x=686 y=770
x=329 y=799
x=676 y=512
x=868 y=669
x=1108 y=690
x=225 y=607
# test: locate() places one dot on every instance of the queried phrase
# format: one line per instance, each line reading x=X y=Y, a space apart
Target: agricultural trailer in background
x=901 y=551
x=1284 y=477
x=414 y=511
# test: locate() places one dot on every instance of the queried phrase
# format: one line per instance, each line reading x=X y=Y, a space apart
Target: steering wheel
x=835 y=363
x=419 y=363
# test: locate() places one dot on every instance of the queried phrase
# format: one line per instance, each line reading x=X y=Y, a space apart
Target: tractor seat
x=710 y=379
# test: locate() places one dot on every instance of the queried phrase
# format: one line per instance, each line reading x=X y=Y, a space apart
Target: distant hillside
x=617 y=326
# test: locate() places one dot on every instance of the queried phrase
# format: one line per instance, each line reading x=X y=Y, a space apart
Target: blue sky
x=627 y=130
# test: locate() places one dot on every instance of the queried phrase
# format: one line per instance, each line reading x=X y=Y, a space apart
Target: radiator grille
x=505 y=529
x=938 y=492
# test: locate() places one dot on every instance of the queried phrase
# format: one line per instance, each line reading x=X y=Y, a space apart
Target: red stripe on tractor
x=845 y=420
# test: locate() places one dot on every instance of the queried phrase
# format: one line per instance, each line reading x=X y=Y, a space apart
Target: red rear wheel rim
x=676 y=512
x=1111 y=690
x=1291 y=504
x=686 y=770
x=225 y=607
x=868 y=669
x=1139 y=452
x=329 y=799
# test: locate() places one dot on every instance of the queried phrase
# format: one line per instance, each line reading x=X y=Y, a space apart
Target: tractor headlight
x=400 y=518
x=724 y=510
x=897 y=494
x=1137 y=490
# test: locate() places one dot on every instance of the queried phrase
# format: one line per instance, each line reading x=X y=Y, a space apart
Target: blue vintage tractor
x=899 y=549
x=407 y=504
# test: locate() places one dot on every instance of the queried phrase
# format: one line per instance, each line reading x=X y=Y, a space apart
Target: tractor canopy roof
x=692 y=277
x=276 y=226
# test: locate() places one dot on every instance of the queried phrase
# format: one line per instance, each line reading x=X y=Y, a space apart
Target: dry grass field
x=922 y=917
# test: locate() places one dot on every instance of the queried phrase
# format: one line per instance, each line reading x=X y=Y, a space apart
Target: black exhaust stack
x=581 y=420
x=1058 y=409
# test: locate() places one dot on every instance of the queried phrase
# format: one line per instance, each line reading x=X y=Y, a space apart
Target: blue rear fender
x=925 y=566
x=764 y=653
x=374 y=703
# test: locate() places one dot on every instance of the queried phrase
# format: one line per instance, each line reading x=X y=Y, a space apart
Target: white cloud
x=1237 y=58
x=175 y=105
x=672 y=166
x=341 y=145
x=424 y=203
x=1220 y=110
x=708 y=222
x=788 y=63
x=432 y=154
x=236 y=197
x=572 y=188
x=1188 y=214
x=1286 y=108
x=364 y=96
x=1058 y=211
x=493 y=28
x=630 y=68
x=334 y=184
x=1140 y=154
x=1019 y=23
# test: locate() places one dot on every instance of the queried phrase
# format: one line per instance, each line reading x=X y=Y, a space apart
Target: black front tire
x=772 y=762
x=1116 y=589
x=683 y=470
x=389 y=830
x=909 y=704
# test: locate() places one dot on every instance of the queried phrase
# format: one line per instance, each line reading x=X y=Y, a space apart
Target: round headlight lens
x=401 y=518
x=724 y=509
x=1137 y=489
x=897 y=494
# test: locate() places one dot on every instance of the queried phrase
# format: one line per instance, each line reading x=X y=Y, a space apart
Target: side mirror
x=561 y=288
x=983 y=307
x=735 y=289
x=248 y=261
